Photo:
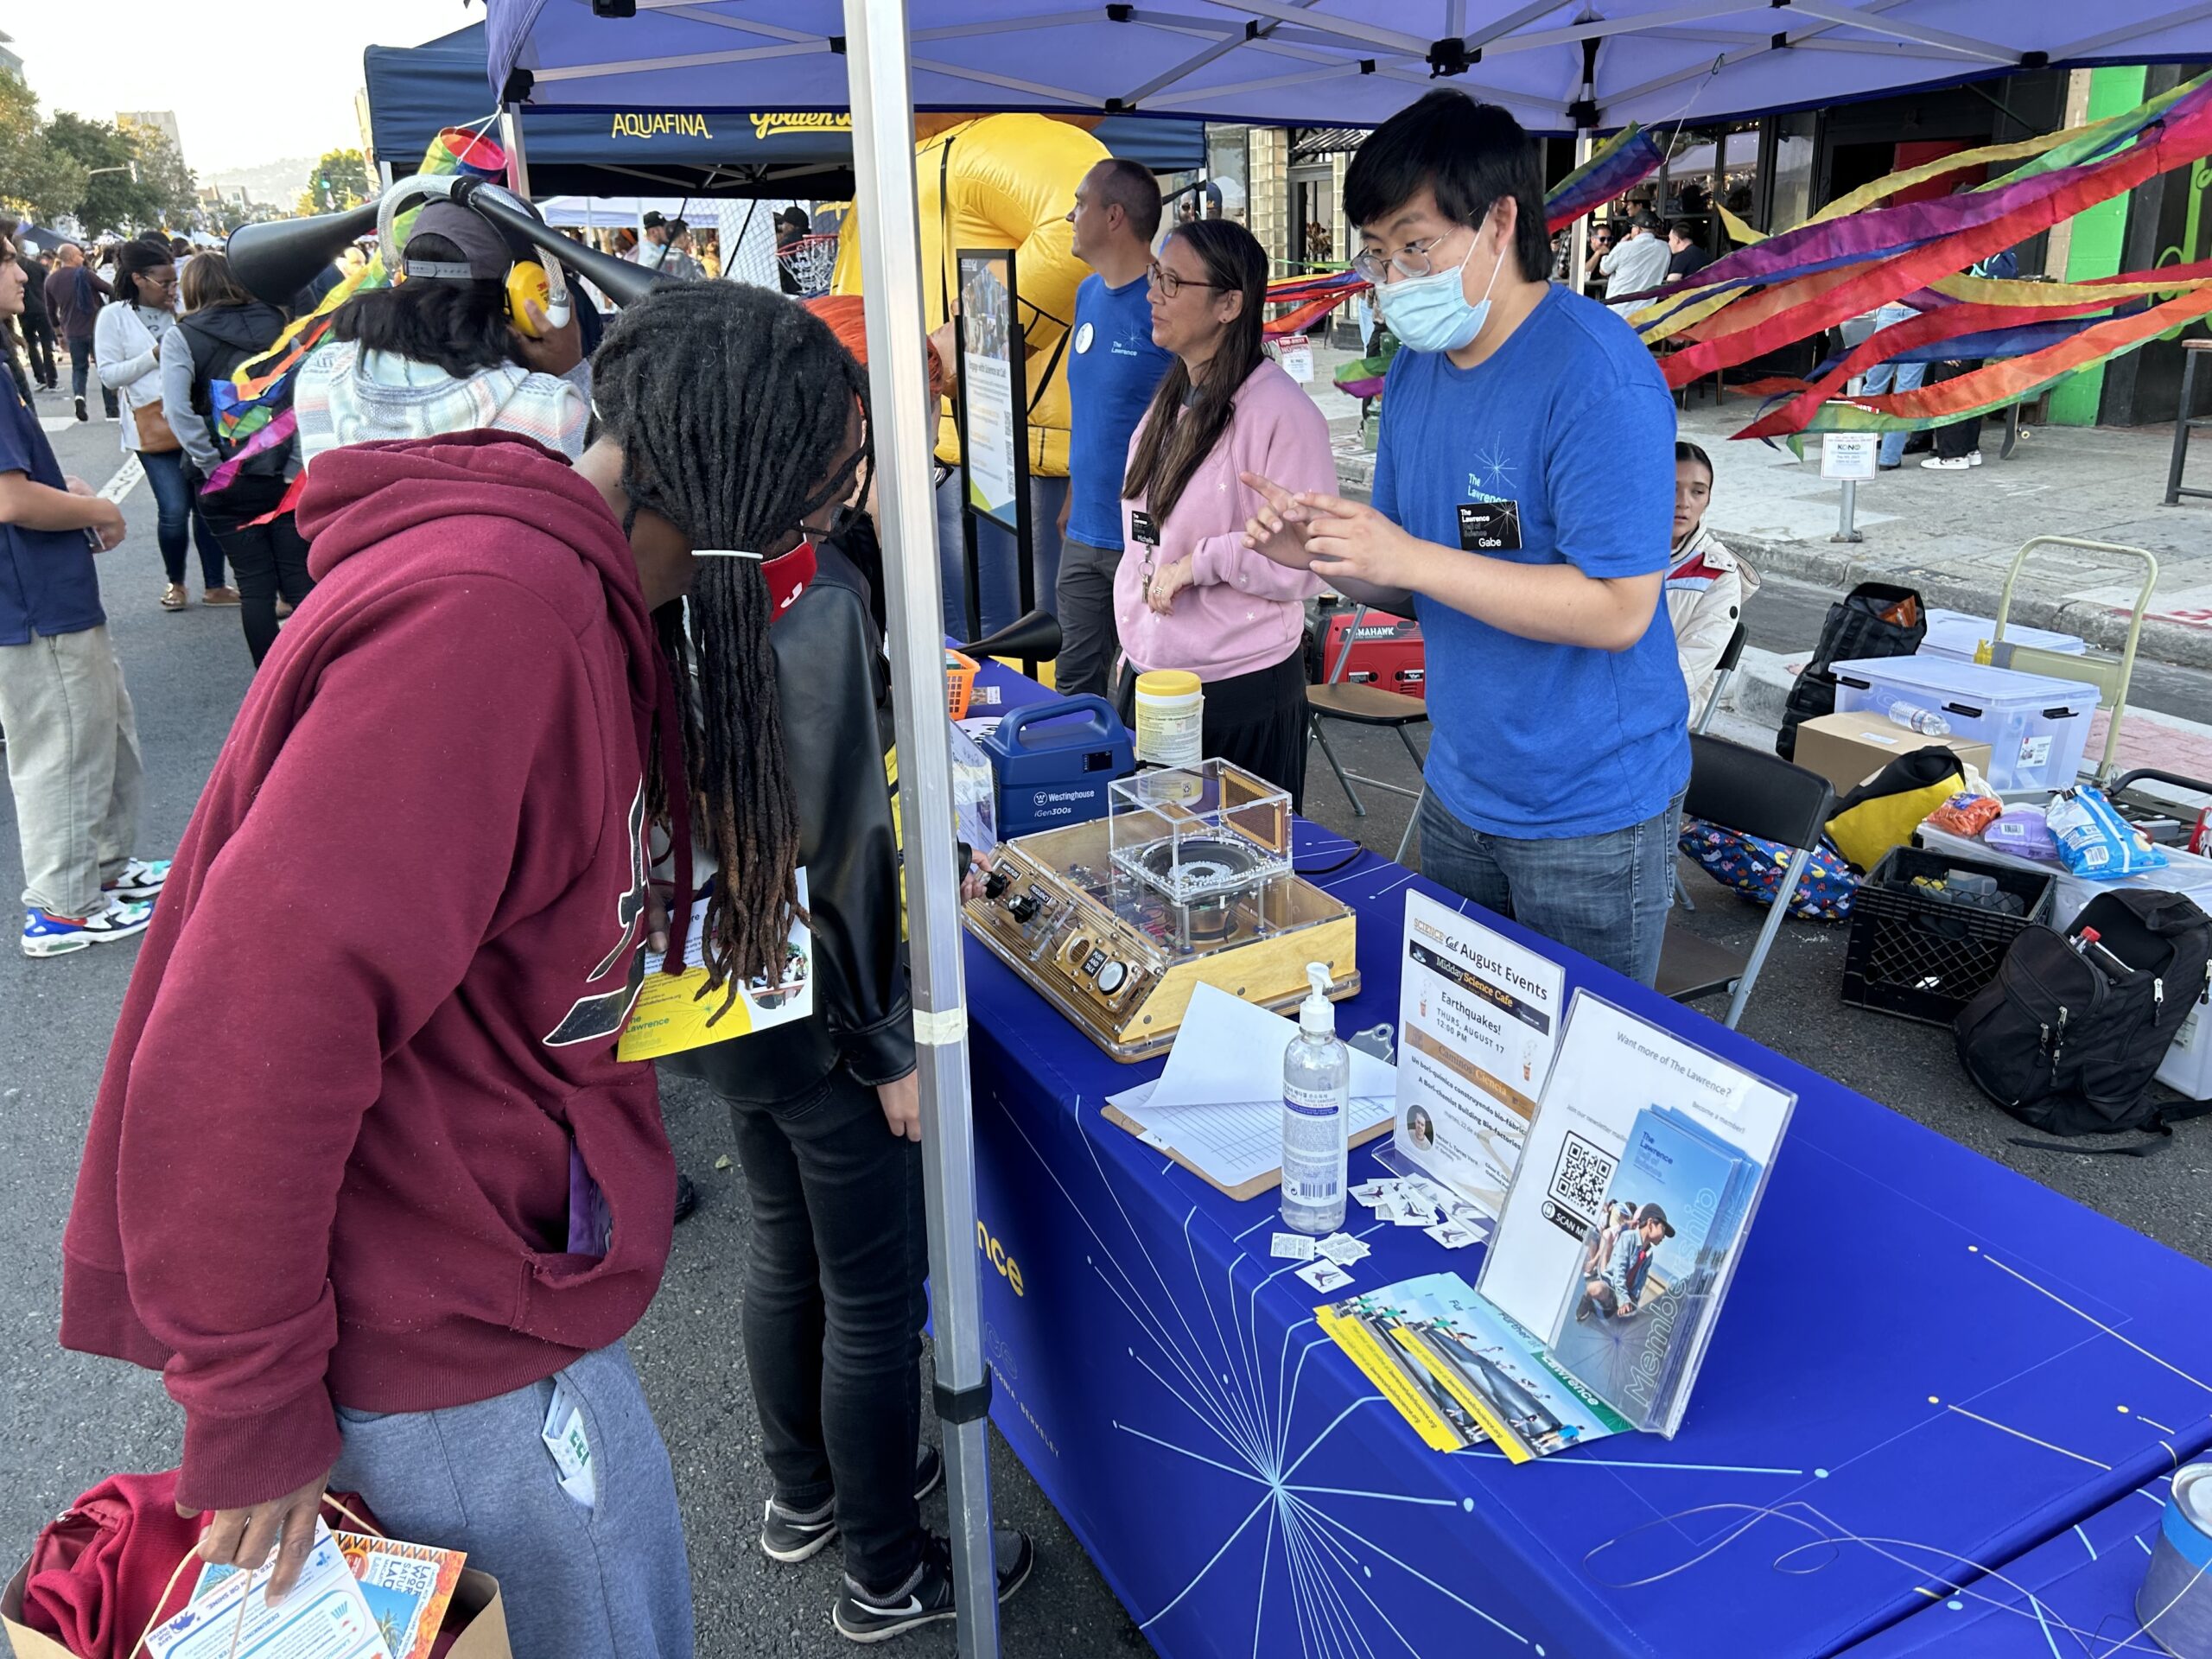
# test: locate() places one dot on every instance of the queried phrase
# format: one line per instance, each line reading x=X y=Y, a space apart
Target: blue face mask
x=1431 y=313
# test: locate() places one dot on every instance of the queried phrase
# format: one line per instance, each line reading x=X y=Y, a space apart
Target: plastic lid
x=1970 y=681
x=1168 y=682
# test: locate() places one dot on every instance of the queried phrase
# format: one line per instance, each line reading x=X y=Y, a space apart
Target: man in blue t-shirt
x=72 y=743
x=1523 y=506
x=1113 y=369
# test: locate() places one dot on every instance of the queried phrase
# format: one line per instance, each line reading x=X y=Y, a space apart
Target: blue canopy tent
x=1555 y=65
x=640 y=144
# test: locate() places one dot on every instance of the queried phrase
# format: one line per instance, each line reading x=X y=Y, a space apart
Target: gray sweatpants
x=610 y=1582
x=1089 y=640
x=73 y=763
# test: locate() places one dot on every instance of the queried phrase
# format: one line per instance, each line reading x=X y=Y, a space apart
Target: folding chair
x=1367 y=705
x=1754 y=793
x=1729 y=656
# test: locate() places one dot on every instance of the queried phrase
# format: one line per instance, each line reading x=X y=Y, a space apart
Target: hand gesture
x=1167 y=581
x=1278 y=529
x=1347 y=540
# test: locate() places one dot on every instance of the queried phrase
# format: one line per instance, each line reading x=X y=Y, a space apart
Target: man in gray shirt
x=1636 y=265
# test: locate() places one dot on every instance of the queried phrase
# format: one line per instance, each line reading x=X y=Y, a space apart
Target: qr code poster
x=1579 y=1179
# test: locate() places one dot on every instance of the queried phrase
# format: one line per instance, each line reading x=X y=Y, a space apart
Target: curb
x=2102 y=625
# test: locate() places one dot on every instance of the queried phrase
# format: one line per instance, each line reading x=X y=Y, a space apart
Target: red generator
x=1386 y=650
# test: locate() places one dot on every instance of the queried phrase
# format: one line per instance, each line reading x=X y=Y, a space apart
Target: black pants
x=1256 y=721
x=267 y=560
x=833 y=1316
x=38 y=340
x=81 y=373
x=1961 y=437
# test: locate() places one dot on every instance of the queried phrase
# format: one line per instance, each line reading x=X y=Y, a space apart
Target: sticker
x=1489 y=526
x=1082 y=339
x=1143 y=530
x=1451 y=1234
x=1324 y=1275
x=1293 y=1246
x=2036 y=751
x=1343 y=1249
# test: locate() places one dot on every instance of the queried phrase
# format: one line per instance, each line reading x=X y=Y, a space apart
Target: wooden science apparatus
x=1185 y=882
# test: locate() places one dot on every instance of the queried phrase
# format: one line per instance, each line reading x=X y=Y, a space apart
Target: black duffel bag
x=1873 y=620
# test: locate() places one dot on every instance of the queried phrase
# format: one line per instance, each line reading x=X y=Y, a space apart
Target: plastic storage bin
x=1958 y=636
x=1913 y=954
x=2035 y=727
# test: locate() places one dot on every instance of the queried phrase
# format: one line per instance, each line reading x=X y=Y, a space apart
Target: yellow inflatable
x=1004 y=181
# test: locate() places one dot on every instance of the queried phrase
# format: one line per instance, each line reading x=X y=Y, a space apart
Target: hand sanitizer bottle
x=1316 y=1114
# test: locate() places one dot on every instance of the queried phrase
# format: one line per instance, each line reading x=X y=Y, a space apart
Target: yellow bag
x=1884 y=810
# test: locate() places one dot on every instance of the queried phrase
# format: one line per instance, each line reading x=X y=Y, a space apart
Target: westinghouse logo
x=767 y=124
x=654 y=124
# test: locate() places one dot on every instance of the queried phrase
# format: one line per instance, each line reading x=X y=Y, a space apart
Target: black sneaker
x=687 y=1196
x=80 y=410
x=927 y=1598
x=791 y=1538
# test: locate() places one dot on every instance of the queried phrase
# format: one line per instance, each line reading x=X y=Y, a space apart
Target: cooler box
x=2188 y=1066
x=1053 y=762
x=1958 y=636
x=2035 y=727
x=1386 y=650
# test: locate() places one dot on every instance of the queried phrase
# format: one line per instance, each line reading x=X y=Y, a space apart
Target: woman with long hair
x=126 y=345
x=1188 y=593
x=223 y=326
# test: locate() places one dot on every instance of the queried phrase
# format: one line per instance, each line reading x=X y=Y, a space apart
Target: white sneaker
x=140 y=882
x=47 y=935
x=1974 y=457
x=1947 y=463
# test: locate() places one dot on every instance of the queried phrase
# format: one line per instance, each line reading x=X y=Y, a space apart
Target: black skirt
x=1254 y=721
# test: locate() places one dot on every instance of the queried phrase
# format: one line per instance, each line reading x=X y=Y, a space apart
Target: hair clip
x=724 y=553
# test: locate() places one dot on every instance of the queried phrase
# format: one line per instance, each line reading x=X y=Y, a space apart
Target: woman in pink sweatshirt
x=1188 y=594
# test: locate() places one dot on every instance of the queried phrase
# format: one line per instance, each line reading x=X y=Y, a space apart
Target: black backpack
x=2067 y=1042
x=1858 y=625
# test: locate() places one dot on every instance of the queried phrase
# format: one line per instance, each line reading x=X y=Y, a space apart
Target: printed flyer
x=1478 y=1022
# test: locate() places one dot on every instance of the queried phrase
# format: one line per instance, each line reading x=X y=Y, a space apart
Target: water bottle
x=1316 y=1114
x=1920 y=720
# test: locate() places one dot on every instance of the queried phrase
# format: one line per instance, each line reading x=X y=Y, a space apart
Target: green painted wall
x=2098 y=233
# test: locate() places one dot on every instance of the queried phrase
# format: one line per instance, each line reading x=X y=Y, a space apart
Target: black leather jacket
x=834 y=688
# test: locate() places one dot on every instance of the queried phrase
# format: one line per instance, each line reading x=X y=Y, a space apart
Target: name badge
x=1147 y=533
x=1489 y=526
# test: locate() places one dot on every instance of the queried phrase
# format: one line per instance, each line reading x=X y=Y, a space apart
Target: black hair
x=461 y=326
x=1127 y=184
x=1173 y=439
x=734 y=410
x=133 y=257
x=1685 y=450
x=1469 y=156
x=1684 y=229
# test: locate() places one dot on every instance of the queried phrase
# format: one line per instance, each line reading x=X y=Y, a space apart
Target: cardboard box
x=1848 y=749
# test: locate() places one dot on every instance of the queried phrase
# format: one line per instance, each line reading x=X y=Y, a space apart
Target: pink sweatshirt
x=1241 y=612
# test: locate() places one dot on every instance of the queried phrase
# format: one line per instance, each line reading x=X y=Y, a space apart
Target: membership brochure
x=1462 y=1373
x=1638 y=1181
x=675 y=1011
x=1480 y=1021
x=326 y=1617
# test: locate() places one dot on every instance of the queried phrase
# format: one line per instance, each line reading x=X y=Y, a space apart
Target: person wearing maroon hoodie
x=399 y=1221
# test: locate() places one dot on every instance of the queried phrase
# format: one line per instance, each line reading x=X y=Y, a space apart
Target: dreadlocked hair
x=734 y=410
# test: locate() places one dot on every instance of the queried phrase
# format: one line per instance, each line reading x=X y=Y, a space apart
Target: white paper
x=1848 y=454
x=1612 y=1066
x=1478 y=1022
x=1219 y=1102
x=1324 y=1275
x=1293 y=1246
x=1295 y=354
x=326 y=1617
x=565 y=1438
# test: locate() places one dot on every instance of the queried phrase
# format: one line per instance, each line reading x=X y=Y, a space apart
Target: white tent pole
x=517 y=160
x=905 y=427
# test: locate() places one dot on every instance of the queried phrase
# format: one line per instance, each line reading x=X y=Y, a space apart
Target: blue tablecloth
x=1924 y=1358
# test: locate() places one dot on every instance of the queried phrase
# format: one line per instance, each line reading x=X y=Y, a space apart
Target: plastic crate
x=1922 y=957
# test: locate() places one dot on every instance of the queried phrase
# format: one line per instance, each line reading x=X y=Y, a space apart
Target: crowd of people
x=585 y=661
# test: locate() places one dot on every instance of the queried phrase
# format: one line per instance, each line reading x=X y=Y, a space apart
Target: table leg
x=2181 y=426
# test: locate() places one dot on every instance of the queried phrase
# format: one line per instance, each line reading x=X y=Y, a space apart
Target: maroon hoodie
x=330 y=1158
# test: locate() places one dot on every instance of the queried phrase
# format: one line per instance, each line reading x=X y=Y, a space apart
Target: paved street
x=71 y=1420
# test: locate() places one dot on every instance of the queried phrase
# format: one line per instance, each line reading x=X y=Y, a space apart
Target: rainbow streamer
x=1619 y=164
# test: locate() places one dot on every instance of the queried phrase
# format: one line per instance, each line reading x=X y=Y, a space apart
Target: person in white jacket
x=126 y=349
x=1707 y=585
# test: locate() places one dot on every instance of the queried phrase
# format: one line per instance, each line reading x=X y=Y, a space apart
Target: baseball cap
x=484 y=255
x=1652 y=1212
x=654 y=221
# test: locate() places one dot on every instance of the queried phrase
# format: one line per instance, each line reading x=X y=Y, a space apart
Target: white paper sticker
x=2036 y=751
x=1293 y=1246
x=1324 y=1275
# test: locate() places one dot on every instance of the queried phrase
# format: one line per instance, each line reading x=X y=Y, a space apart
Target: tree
x=340 y=179
x=168 y=194
x=109 y=199
x=36 y=178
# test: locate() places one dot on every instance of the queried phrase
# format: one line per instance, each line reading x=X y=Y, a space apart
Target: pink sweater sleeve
x=1279 y=433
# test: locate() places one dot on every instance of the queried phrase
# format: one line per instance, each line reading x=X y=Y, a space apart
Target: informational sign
x=1295 y=354
x=1848 y=454
x=989 y=338
x=1479 y=1021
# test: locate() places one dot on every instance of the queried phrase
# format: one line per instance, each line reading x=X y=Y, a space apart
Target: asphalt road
x=70 y=1419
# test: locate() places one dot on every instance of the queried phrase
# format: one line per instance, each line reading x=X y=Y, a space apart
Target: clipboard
x=1244 y=1191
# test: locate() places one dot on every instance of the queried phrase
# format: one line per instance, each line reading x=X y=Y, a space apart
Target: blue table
x=1924 y=1358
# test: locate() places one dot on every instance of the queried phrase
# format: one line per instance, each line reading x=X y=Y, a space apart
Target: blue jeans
x=178 y=519
x=1605 y=895
x=1893 y=377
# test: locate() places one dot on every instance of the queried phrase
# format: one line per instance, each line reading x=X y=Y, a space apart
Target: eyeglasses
x=1170 y=284
x=1371 y=264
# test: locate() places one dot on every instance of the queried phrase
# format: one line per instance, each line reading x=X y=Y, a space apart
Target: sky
x=250 y=80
